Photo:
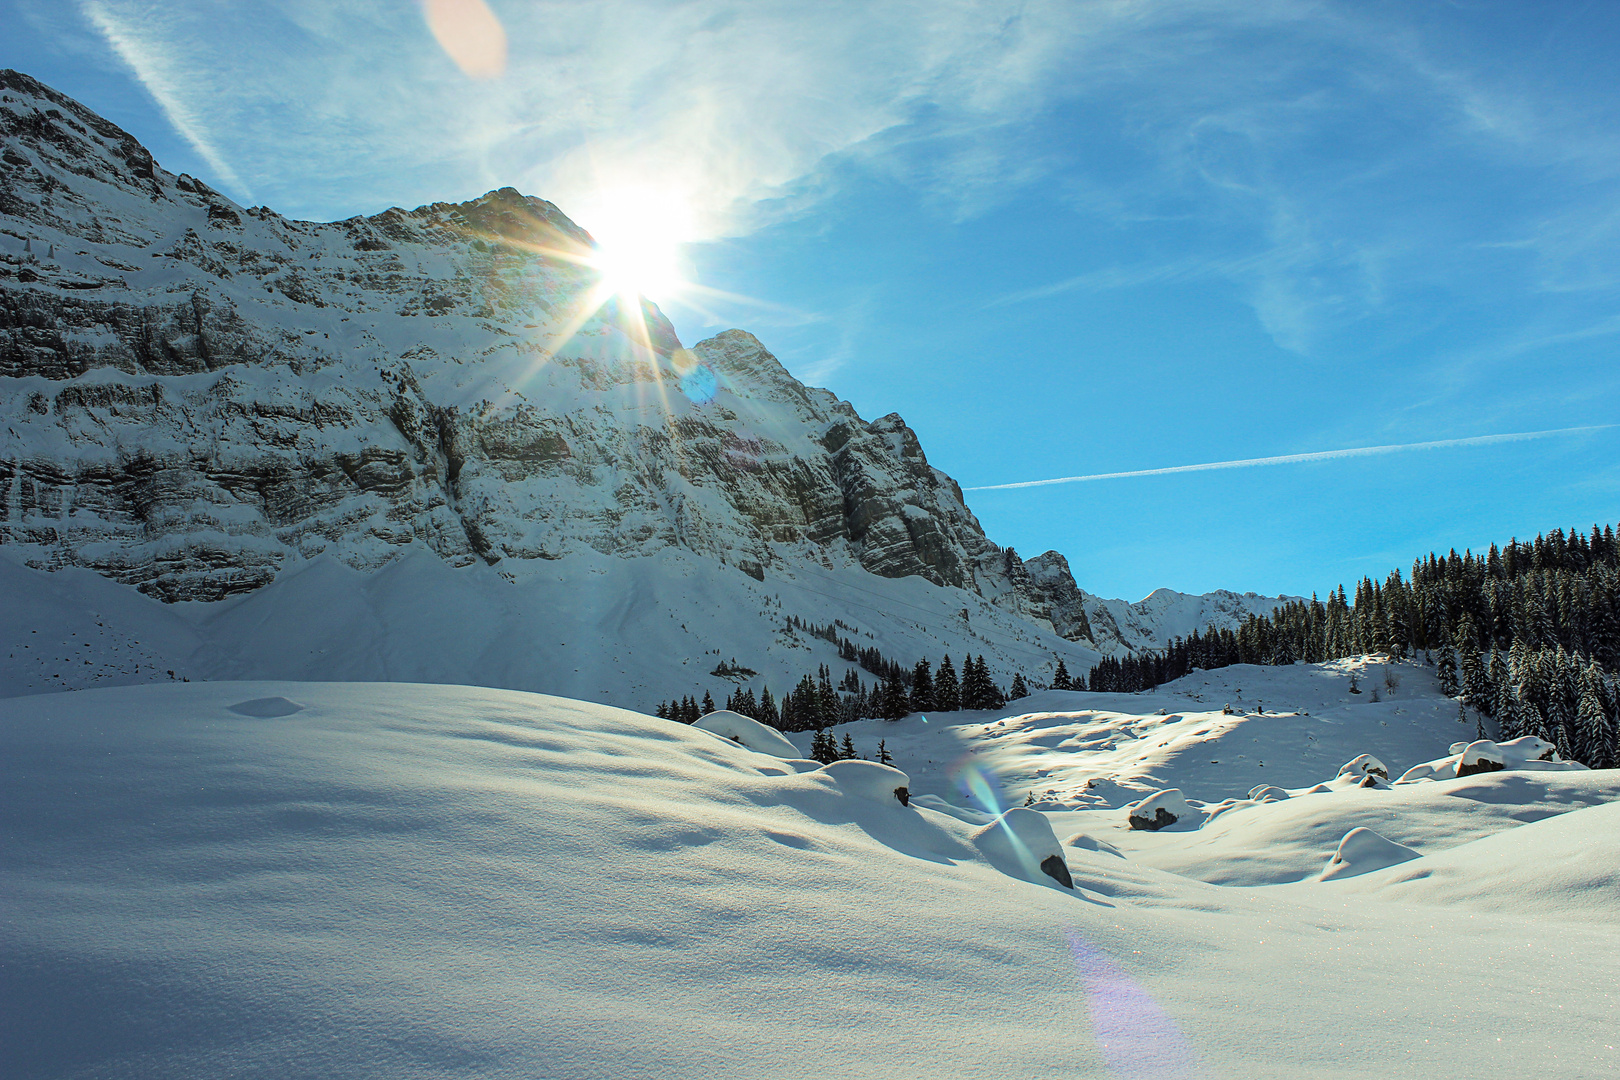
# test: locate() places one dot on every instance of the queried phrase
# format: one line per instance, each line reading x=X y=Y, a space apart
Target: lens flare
x=700 y=385
x=470 y=34
x=976 y=786
x=1136 y=1038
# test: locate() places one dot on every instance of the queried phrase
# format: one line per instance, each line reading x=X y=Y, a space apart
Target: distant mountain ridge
x=197 y=396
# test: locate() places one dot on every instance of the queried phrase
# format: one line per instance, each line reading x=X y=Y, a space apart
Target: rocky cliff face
x=193 y=393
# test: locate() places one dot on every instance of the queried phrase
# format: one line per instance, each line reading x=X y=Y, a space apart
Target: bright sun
x=639 y=232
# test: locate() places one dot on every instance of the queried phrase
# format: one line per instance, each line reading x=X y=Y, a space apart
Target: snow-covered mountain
x=198 y=399
x=1150 y=623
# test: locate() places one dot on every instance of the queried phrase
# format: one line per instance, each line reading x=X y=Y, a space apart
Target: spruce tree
x=1497 y=679
x=847 y=751
x=972 y=685
x=1060 y=677
x=895 y=702
x=922 y=688
x=883 y=755
x=708 y=703
x=663 y=710
x=1019 y=690
x=1592 y=723
x=1472 y=679
x=767 y=708
x=1448 y=671
x=1507 y=714
x=823 y=748
x=993 y=697
x=947 y=694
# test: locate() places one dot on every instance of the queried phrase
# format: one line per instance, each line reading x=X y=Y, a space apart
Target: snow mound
x=869 y=780
x=266 y=708
x=749 y=732
x=1021 y=843
x=1161 y=809
x=1267 y=793
x=1566 y=866
x=1362 y=851
x=1087 y=842
x=1364 y=765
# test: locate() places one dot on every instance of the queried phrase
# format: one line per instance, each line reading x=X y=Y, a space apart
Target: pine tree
x=1533 y=723
x=883 y=755
x=847 y=751
x=767 y=708
x=823 y=748
x=1448 y=671
x=663 y=710
x=1019 y=690
x=947 y=694
x=1060 y=677
x=993 y=697
x=922 y=688
x=1507 y=714
x=1592 y=723
x=973 y=690
x=895 y=703
x=708 y=703
x=1497 y=679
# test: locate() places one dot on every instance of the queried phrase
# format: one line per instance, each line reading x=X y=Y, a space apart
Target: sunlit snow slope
x=291 y=879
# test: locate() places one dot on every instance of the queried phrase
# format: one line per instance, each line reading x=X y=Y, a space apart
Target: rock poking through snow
x=1480 y=757
x=1021 y=843
x=1363 y=851
x=749 y=732
x=1158 y=810
x=869 y=780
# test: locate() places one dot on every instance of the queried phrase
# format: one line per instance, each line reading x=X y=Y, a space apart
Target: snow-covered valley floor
x=393 y=880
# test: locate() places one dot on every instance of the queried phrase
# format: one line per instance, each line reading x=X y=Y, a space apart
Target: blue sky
x=1059 y=238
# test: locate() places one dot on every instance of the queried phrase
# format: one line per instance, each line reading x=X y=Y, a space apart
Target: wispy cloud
x=1296 y=459
x=1281 y=135
x=172 y=89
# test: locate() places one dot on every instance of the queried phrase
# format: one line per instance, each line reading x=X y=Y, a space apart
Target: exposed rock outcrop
x=192 y=392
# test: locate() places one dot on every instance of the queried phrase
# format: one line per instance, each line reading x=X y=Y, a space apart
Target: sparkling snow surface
x=344 y=880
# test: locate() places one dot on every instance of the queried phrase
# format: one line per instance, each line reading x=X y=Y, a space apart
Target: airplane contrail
x=1291 y=459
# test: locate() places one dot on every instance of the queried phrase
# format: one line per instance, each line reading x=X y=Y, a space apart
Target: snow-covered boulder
x=1525 y=754
x=869 y=780
x=748 y=731
x=1158 y=810
x=1021 y=843
x=1364 y=765
x=1527 y=748
x=1363 y=851
x=1479 y=757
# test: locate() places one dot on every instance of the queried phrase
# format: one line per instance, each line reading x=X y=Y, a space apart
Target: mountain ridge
x=198 y=396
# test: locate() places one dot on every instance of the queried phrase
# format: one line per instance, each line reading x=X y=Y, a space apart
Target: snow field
x=364 y=879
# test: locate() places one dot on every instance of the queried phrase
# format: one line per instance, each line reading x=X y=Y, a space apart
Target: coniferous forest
x=1527 y=634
